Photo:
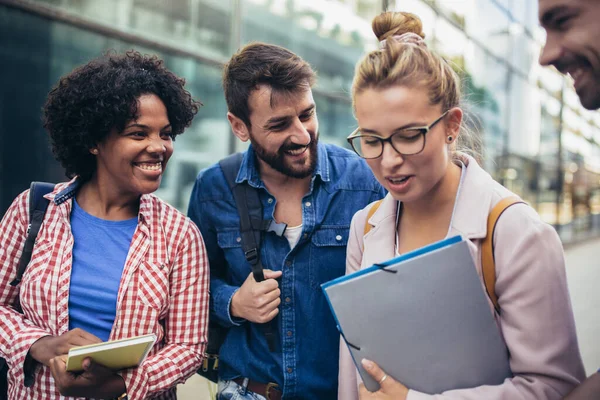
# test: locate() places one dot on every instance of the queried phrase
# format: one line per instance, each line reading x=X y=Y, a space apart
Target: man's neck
x=288 y=193
x=276 y=181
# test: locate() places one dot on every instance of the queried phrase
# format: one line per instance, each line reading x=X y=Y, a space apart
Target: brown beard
x=277 y=161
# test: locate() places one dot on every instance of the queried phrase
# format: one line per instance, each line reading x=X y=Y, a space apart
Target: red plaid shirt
x=163 y=290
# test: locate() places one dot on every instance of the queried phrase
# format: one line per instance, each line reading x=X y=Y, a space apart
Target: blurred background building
x=538 y=140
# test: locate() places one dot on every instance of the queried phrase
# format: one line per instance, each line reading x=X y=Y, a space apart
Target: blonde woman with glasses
x=407 y=102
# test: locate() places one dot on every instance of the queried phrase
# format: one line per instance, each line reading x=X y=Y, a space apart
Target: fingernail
x=86 y=363
x=367 y=364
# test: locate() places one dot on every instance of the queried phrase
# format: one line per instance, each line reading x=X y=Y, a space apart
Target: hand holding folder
x=423 y=318
x=388 y=386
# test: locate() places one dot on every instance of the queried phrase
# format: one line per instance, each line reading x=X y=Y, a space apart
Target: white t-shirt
x=292 y=234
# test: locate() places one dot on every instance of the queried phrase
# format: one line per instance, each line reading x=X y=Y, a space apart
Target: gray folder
x=424 y=318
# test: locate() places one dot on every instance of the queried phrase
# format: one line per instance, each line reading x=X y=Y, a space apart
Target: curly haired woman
x=111 y=260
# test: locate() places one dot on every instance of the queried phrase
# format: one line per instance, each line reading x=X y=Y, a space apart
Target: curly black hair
x=86 y=104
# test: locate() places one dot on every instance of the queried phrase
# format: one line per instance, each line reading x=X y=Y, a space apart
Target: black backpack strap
x=252 y=224
x=37 y=209
x=250 y=211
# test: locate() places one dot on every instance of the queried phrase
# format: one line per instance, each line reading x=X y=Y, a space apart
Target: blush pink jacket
x=536 y=318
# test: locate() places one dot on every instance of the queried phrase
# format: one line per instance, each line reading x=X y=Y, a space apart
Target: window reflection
x=524 y=129
x=486 y=91
x=201 y=25
x=489 y=25
x=450 y=41
x=526 y=113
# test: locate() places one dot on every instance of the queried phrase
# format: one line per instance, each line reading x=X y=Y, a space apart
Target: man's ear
x=238 y=127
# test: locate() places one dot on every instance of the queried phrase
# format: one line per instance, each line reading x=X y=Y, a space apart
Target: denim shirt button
x=288 y=263
x=239 y=239
x=289 y=370
x=289 y=333
x=308 y=204
x=270 y=200
x=287 y=299
x=338 y=237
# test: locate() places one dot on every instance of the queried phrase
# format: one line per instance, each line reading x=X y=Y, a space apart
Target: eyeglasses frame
x=423 y=130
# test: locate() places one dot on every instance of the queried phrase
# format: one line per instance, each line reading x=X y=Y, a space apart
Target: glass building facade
x=538 y=140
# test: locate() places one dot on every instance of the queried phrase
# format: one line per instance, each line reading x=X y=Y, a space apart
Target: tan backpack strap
x=372 y=211
x=488 y=266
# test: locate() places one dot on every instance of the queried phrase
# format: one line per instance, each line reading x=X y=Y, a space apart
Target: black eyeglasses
x=407 y=142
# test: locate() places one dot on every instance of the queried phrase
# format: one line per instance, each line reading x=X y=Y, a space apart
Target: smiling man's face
x=573 y=44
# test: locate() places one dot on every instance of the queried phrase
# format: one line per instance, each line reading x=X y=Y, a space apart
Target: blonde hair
x=411 y=63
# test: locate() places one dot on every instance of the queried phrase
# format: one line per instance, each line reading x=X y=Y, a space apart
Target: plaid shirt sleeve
x=16 y=333
x=185 y=326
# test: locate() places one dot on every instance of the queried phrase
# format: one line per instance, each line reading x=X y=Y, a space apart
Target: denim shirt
x=305 y=364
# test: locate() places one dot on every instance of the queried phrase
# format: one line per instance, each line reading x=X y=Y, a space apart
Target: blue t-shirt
x=99 y=255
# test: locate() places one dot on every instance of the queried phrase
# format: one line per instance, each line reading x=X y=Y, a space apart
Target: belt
x=269 y=390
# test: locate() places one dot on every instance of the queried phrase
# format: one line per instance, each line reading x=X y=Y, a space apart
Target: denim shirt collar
x=249 y=168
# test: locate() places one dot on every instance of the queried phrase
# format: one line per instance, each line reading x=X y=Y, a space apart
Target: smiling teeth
x=399 y=180
x=150 y=167
x=296 y=152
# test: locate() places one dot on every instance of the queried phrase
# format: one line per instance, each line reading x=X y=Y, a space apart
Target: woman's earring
x=450 y=139
x=94 y=151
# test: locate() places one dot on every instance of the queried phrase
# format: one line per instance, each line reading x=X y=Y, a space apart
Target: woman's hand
x=49 y=347
x=389 y=387
x=95 y=381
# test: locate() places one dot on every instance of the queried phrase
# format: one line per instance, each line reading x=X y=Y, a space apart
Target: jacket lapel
x=473 y=202
x=381 y=238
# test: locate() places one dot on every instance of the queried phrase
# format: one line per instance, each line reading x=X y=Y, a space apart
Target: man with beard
x=573 y=47
x=573 y=44
x=312 y=187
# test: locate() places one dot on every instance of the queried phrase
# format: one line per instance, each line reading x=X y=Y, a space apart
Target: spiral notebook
x=424 y=318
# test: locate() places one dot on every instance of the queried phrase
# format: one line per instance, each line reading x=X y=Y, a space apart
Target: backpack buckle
x=277 y=228
x=251 y=256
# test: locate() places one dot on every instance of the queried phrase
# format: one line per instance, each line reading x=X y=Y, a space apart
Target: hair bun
x=396 y=23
